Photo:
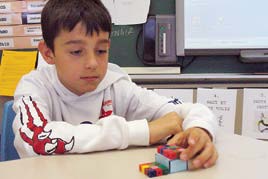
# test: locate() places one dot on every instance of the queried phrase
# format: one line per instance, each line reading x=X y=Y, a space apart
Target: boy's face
x=81 y=60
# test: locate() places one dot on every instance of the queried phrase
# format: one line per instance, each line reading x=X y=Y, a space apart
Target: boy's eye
x=101 y=51
x=76 y=52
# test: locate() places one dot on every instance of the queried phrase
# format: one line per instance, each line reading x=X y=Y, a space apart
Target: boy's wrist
x=207 y=132
x=165 y=126
x=176 y=124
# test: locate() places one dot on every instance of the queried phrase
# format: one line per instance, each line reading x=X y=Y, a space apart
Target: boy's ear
x=109 y=45
x=46 y=52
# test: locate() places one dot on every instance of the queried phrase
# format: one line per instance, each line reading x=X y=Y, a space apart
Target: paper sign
x=109 y=4
x=14 y=65
x=127 y=12
x=183 y=95
x=255 y=113
x=130 y=12
x=223 y=104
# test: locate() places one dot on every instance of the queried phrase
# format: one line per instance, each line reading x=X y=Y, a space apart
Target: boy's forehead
x=66 y=37
x=81 y=29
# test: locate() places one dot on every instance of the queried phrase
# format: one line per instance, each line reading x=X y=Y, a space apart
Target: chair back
x=8 y=151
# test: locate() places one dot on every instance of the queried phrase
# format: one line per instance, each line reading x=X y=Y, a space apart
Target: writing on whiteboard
x=122 y=32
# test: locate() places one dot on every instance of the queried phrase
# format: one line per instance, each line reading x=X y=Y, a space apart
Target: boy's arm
x=36 y=134
x=161 y=128
x=199 y=128
x=198 y=147
x=197 y=115
x=143 y=103
x=187 y=116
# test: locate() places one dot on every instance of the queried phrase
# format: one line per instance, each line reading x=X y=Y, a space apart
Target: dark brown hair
x=60 y=15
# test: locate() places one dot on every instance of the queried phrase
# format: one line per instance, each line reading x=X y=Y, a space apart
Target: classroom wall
x=127 y=47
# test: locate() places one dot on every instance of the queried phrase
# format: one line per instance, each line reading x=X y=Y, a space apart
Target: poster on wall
x=255 y=113
x=223 y=104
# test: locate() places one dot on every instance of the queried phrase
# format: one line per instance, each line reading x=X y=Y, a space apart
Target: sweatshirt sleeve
x=141 y=103
x=36 y=134
x=197 y=115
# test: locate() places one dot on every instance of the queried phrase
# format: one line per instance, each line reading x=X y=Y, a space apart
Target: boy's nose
x=91 y=61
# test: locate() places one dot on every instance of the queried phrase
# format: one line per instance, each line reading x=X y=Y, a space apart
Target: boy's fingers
x=191 y=165
x=194 y=136
x=208 y=164
x=198 y=147
x=176 y=139
x=197 y=140
x=212 y=160
x=173 y=140
x=193 y=150
x=204 y=156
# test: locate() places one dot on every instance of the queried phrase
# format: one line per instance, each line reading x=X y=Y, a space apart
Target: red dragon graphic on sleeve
x=41 y=141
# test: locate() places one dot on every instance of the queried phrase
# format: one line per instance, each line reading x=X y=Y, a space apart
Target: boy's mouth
x=89 y=78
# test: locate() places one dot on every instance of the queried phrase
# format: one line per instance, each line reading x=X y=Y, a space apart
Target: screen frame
x=180 y=38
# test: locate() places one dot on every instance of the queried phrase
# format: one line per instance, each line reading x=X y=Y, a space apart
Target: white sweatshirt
x=50 y=119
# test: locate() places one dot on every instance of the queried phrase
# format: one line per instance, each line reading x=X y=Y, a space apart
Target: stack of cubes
x=166 y=161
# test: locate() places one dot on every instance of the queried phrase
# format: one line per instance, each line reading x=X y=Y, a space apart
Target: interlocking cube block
x=151 y=173
x=170 y=151
x=153 y=169
x=158 y=170
x=144 y=166
x=164 y=169
x=173 y=165
x=166 y=161
x=171 y=154
x=160 y=148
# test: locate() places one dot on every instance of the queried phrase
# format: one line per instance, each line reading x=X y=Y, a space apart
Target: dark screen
x=149 y=40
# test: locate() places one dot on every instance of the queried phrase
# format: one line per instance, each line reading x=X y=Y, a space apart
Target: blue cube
x=173 y=165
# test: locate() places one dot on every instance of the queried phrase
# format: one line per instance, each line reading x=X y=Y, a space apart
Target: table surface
x=239 y=157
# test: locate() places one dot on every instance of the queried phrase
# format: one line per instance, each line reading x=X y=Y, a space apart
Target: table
x=239 y=158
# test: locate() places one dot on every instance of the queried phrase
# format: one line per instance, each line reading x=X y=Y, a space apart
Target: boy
x=83 y=104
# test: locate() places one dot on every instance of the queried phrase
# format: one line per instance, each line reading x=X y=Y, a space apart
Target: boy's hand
x=169 y=124
x=199 y=149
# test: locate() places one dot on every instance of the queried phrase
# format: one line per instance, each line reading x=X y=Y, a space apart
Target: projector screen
x=220 y=26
